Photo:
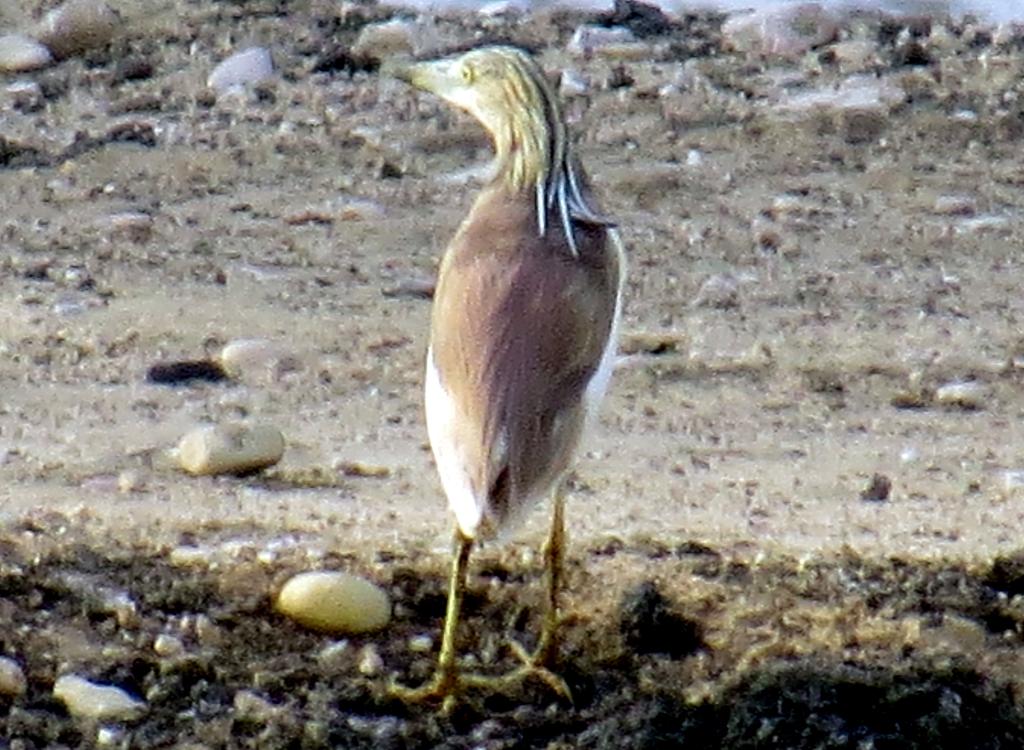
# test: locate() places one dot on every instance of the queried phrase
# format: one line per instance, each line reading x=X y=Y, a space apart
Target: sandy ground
x=805 y=285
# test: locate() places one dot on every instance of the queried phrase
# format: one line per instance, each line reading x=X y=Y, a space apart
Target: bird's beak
x=435 y=76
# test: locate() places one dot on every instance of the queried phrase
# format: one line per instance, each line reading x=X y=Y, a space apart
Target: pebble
x=89 y=700
x=247 y=356
x=25 y=95
x=398 y=36
x=421 y=644
x=20 y=53
x=245 y=68
x=335 y=657
x=79 y=25
x=1013 y=481
x=965 y=394
x=720 y=291
x=12 y=678
x=130 y=480
x=573 y=83
x=334 y=602
x=168 y=645
x=955 y=205
x=133 y=226
x=230 y=449
x=589 y=39
x=857 y=92
x=253 y=707
x=856 y=55
x=370 y=662
x=786 y=31
x=983 y=224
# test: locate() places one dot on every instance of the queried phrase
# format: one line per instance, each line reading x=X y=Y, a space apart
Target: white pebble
x=856 y=55
x=109 y=736
x=966 y=394
x=79 y=25
x=334 y=602
x=168 y=645
x=573 y=83
x=1013 y=480
x=588 y=39
x=720 y=291
x=398 y=36
x=131 y=225
x=12 y=678
x=421 y=644
x=88 y=700
x=786 y=31
x=955 y=205
x=370 y=662
x=230 y=449
x=335 y=656
x=247 y=356
x=188 y=555
x=245 y=68
x=249 y=705
x=20 y=53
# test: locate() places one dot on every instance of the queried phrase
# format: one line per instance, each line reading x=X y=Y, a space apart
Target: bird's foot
x=447 y=686
x=443 y=688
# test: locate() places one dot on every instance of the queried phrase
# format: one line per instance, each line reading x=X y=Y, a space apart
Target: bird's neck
x=525 y=155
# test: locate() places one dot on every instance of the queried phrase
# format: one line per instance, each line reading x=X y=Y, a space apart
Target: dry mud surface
x=785 y=532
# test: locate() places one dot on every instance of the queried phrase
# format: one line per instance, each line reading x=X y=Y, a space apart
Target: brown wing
x=519 y=328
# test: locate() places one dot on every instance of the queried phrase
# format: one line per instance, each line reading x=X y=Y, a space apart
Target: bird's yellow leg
x=448 y=682
x=539 y=663
x=445 y=683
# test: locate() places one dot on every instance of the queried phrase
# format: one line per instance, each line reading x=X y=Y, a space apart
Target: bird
x=523 y=335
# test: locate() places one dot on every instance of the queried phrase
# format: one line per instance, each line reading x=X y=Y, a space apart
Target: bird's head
x=501 y=86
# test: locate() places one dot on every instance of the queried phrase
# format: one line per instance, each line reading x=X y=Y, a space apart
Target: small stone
x=79 y=25
x=421 y=644
x=856 y=55
x=20 y=53
x=230 y=449
x=24 y=95
x=133 y=226
x=588 y=39
x=396 y=37
x=361 y=469
x=336 y=656
x=88 y=700
x=416 y=287
x=248 y=356
x=878 y=489
x=208 y=633
x=334 y=602
x=984 y=224
x=573 y=83
x=785 y=30
x=109 y=736
x=720 y=291
x=130 y=480
x=12 y=678
x=252 y=707
x=964 y=394
x=1013 y=481
x=370 y=662
x=955 y=205
x=168 y=645
x=188 y=555
x=245 y=68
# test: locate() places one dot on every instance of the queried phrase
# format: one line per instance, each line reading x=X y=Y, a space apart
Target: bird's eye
x=468 y=74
